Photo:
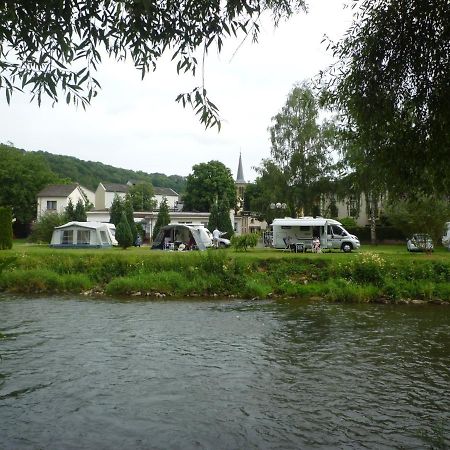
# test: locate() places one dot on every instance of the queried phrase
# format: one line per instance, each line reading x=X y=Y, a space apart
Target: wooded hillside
x=89 y=173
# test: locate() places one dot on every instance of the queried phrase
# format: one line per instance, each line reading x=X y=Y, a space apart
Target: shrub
x=244 y=241
x=42 y=229
x=124 y=235
x=5 y=228
x=348 y=222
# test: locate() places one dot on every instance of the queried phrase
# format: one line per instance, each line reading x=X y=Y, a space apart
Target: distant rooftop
x=58 y=190
x=115 y=187
x=165 y=192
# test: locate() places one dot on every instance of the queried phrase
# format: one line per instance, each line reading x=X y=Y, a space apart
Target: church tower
x=240 y=183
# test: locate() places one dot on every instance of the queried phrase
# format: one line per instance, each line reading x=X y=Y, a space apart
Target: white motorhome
x=300 y=233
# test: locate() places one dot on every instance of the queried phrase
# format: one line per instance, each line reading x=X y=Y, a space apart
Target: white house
x=55 y=197
x=105 y=193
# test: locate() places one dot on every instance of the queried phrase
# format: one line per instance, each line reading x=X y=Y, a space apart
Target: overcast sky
x=137 y=125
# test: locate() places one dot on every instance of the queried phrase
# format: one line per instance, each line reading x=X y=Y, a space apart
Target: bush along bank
x=366 y=277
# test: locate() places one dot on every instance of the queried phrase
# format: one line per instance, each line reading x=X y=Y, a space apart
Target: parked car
x=420 y=242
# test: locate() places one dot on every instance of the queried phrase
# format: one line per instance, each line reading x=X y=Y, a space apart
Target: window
x=104 y=237
x=67 y=237
x=83 y=237
x=284 y=227
x=51 y=205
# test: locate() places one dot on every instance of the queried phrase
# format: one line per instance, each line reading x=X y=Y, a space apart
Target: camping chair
x=287 y=244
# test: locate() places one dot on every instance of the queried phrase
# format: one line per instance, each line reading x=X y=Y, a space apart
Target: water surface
x=108 y=374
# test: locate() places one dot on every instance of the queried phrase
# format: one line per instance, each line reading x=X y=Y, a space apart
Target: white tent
x=82 y=235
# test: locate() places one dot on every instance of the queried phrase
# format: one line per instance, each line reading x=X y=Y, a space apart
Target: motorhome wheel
x=346 y=247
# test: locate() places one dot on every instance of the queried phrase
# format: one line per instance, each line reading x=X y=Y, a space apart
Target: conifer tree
x=213 y=221
x=224 y=220
x=80 y=212
x=128 y=208
x=123 y=232
x=115 y=212
x=163 y=218
x=70 y=211
x=6 y=233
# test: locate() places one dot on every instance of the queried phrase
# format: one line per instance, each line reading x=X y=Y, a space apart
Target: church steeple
x=240 y=173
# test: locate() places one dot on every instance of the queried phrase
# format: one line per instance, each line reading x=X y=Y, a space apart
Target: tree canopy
x=391 y=84
x=51 y=46
x=22 y=176
x=300 y=156
x=207 y=184
x=142 y=197
x=162 y=219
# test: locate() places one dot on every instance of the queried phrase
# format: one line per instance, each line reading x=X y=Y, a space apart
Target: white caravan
x=300 y=233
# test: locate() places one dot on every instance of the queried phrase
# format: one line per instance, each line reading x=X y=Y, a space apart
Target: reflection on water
x=85 y=374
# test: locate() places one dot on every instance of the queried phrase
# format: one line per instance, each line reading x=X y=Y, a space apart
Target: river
x=111 y=374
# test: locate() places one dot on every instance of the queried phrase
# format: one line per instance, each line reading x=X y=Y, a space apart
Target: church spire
x=240 y=172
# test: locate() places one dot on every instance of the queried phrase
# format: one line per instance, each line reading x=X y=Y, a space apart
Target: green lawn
x=391 y=250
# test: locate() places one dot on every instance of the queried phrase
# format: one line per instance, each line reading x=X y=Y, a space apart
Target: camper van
x=299 y=234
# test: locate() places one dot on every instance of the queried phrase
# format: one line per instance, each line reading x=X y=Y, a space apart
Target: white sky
x=138 y=125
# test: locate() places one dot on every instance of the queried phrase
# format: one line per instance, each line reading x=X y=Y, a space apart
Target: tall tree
x=209 y=183
x=129 y=213
x=80 y=211
x=142 y=197
x=224 y=220
x=300 y=149
x=124 y=235
x=6 y=233
x=70 y=211
x=52 y=47
x=391 y=85
x=163 y=218
x=213 y=221
x=116 y=210
x=22 y=176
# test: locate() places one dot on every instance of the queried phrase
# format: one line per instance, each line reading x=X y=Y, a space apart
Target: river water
x=109 y=374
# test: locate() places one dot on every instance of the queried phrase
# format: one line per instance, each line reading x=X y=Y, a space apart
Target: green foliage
x=361 y=277
x=70 y=211
x=42 y=229
x=138 y=30
x=209 y=183
x=391 y=85
x=213 y=221
x=244 y=241
x=77 y=214
x=124 y=236
x=116 y=210
x=301 y=150
x=90 y=173
x=162 y=219
x=6 y=234
x=224 y=220
x=22 y=176
x=420 y=215
x=348 y=222
x=80 y=212
x=142 y=197
x=128 y=209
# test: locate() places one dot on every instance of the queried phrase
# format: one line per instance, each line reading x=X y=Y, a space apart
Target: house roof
x=57 y=190
x=165 y=191
x=115 y=187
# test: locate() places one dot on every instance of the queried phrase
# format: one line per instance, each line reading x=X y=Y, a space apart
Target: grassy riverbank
x=381 y=273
